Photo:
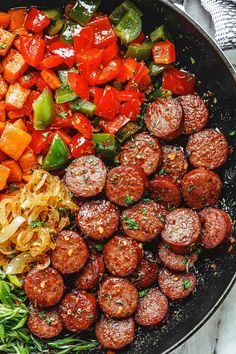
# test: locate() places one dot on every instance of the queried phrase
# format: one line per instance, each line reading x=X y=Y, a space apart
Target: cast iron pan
x=217 y=84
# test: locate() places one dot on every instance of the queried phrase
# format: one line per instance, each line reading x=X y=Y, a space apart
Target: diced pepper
x=63 y=74
x=96 y=93
x=79 y=146
x=16 y=97
x=139 y=40
x=108 y=106
x=2 y=127
x=127 y=70
x=27 y=160
x=83 y=125
x=124 y=96
x=15 y=170
x=57 y=155
x=6 y=40
x=36 y=20
x=84 y=107
x=112 y=127
x=27 y=178
x=51 y=79
x=18 y=33
x=2 y=111
x=131 y=109
x=32 y=49
x=109 y=72
x=164 y=52
x=50 y=62
x=43 y=110
x=110 y=53
x=5 y=19
x=127 y=131
x=40 y=140
x=120 y=11
x=15 y=66
x=57 y=22
x=14 y=141
x=88 y=60
x=178 y=82
x=129 y=27
x=155 y=69
x=78 y=85
x=140 y=51
x=105 y=145
x=3 y=88
x=28 y=107
x=20 y=124
x=17 y=18
x=139 y=78
x=63 y=116
x=29 y=80
x=83 y=11
x=4 y=174
x=64 y=51
x=70 y=29
x=18 y=113
x=64 y=94
x=103 y=32
x=84 y=39
x=65 y=137
x=160 y=34
x=3 y=156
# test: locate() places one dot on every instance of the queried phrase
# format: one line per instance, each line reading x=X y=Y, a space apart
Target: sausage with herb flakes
x=70 y=253
x=176 y=286
x=89 y=277
x=174 y=164
x=165 y=190
x=98 y=219
x=44 y=287
x=147 y=272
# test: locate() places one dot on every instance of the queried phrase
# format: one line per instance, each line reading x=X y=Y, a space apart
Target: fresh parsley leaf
x=62 y=114
x=144 y=211
x=186 y=284
x=129 y=199
x=132 y=224
x=13 y=187
x=37 y=223
x=161 y=218
x=3 y=46
x=89 y=316
x=143 y=292
x=232 y=133
x=98 y=247
x=45 y=134
x=190 y=188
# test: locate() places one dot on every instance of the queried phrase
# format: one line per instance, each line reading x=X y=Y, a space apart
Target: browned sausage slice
x=125 y=185
x=78 y=311
x=181 y=230
x=173 y=261
x=175 y=164
x=98 y=219
x=165 y=190
x=216 y=225
x=44 y=287
x=91 y=274
x=176 y=286
x=86 y=176
x=208 y=149
x=122 y=256
x=195 y=113
x=143 y=151
x=144 y=221
x=200 y=188
x=44 y=323
x=164 y=118
x=114 y=334
x=146 y=274
x=70 y=253
x=118 y=297
x=152 y=308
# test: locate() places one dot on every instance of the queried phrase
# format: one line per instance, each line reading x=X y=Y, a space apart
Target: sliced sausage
x=164 y=118
x=91 y=274
x=165 y=190
x=201 y=188
x=44 y=323
x=216 y=225
x=152 y=308
x=176 y=286
x=146 y=274
x=195 y=113
x=181 y=230
x=44 y=287
x=86 y=176
x=173 y=261
x=118 y=297
x=143 y=221
x=98 y=219
x=208 y=149
x=174 y=164
x=143 y=151
x=122 y=255
x=125 y=185
x=70 y=253
x=78 y=311
x=115 y=334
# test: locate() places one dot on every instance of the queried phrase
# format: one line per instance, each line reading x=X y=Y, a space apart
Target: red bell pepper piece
x=131 y=109
x=103 y=31
x=83 y=125
x=28 y=106
x=64 y=136
x=32 y=49
x=78 y=85
x=80 y=146
x=141 y=74
x=40 y=140
x=84 y=39
x=139 y=40
x=108 y=106
x=29 y=80
x=124 y=96
x=36 y=20
x=112 y=127
x=109 y=53
x=164 y=52
x=64 y=51
x=109 y=72
x=51 y=39
x=63 y=116
x=178 y=82
x=96 y=93
x=50 y=62
x=127 y=70
x=88 y=62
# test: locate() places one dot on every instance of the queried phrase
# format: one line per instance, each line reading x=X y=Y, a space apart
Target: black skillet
x=217 y=83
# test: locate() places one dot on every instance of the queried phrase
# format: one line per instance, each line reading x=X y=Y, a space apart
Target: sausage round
x=216 y=225
x=143 y=151
x=164 y=118
x=86 y=176
x=78 y=311
x=115 y=334
x=146 y=274
x=118 y=297
x=165 y=190
x=143 y=221
x=70 y=253
x=44 y=287
x=91 y=274
x=195 y=113
x=176 y=286
x=122 y=256
x=152 y=308
x=44 y=323
x=98 y=219
x=181 y=230
x=125 y=185
x=173 y=261
x=175 y=164
x=208 y=149
x=201 y=188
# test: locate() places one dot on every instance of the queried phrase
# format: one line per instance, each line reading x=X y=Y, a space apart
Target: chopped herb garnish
x=119 y=302
x=129 y=199
x=161 y=172
x=166 y=246
x=133 y=225
x=203 y=199
x=115 y=178
x=37 y=223
x=62 y=211
x=89 y=316
x=186 y=262
x=193 y=61
x=44 y=316
x=186 y=284
x=79 y=311
x=144 y=211
x=3 y=46
x=146 y=200
x=90 y=159
x=161 y=218
x=98 y=247
x=62 y=114
x=45 y=134
x=27 y=77
x=190 y=188
x=197 y=250
x=232 y=133
x=13 y=187
x=143 y=292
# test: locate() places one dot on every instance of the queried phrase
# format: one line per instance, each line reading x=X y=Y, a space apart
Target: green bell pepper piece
x=140 y=51
x=155 y=69
x=44 y=111
x=119 y=11
x=64 y=94
x=57 y=156
x=129 y=26
x=105 y=145
x=63 y=74
x=83 y=11
x=82 y=106
x=57 y=22
x=69 y=28
x=160 y=34
x=127 y=131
